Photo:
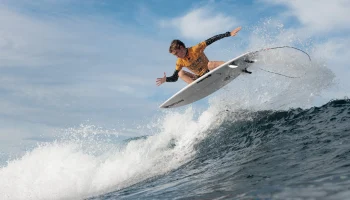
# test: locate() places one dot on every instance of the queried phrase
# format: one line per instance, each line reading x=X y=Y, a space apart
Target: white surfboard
x=211 y=81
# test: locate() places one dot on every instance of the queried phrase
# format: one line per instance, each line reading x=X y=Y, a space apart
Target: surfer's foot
x=246 y=71
x=249 y=61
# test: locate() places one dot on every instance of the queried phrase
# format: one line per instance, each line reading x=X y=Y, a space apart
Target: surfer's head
x=178 y=49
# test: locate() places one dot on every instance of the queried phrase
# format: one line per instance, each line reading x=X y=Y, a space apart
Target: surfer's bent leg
x=214 y=64
x=187 y=76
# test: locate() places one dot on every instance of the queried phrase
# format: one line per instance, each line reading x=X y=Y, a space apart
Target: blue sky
x=67 y=62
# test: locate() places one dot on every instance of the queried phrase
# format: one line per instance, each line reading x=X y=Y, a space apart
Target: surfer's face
x=180 y=53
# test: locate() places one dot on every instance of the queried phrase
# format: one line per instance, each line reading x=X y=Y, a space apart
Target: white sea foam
x=71 y=169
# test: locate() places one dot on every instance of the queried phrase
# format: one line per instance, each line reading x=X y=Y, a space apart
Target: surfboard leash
x=253 y=61
x=273 y=48
x=278 y=73
x=281 y=47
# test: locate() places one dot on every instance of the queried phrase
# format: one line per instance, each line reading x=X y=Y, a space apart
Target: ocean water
x=294 y=154
x=261 y=137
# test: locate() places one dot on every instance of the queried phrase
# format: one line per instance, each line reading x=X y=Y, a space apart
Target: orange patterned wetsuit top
x=195 y=60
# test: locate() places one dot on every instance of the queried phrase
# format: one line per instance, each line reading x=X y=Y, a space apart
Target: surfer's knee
x=210 y=65
x=214 y=64
x=181 y=73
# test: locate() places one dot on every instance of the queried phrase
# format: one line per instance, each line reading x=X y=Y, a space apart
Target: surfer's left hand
x=161 y=80
x=234 y=32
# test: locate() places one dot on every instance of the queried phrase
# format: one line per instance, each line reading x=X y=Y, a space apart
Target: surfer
x=193 y=58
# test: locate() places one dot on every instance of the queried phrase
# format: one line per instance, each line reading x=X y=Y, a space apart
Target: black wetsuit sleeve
x=217 y=37
x=174 y=77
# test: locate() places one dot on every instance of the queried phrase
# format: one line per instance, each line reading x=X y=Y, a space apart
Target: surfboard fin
x=246 y=71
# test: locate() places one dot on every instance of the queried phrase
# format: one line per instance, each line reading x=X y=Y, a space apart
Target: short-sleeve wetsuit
x=195 y=60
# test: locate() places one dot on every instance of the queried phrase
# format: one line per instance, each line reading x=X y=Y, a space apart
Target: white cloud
x=201 y=23
x=322 y=15
x=336 y=48
x=28 y=41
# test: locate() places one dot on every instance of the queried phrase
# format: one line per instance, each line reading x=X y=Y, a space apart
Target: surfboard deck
x=211 y=81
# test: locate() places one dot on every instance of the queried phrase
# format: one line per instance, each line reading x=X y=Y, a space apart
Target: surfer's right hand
x=161 y=80
x=234 y=32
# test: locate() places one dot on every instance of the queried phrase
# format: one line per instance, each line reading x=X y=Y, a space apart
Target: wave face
x=299 y=154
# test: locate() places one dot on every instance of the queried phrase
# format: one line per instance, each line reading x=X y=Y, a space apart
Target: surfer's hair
x=176 y=44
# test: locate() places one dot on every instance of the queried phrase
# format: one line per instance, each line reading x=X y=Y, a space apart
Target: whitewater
x=260 y=137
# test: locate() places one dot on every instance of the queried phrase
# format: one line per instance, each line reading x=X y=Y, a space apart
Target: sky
x=64 y=63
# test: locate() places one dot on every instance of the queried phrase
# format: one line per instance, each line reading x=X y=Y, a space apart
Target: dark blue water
x=295 y=154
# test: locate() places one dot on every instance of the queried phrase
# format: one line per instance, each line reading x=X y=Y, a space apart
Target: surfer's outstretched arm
x=220 y=36
x=172 y=78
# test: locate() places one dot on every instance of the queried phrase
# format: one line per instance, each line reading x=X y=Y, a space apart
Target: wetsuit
x=195 y=60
